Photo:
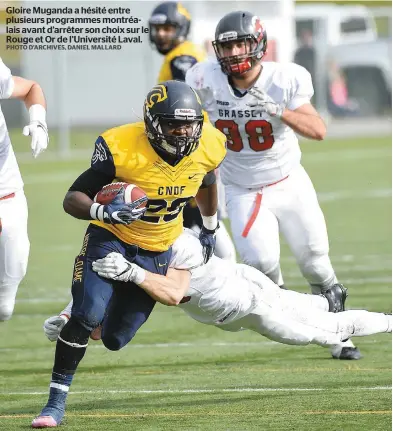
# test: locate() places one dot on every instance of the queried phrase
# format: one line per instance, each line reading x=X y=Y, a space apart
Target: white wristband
x=140 y=275
x=210 y=222
x=37 y=113
x=97 y=212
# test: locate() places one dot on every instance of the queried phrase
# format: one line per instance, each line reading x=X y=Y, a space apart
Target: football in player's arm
x=171 y=155
x=14 y=241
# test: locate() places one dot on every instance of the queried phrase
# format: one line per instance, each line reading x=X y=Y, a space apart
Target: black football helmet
x=170 y=13
x=169 y=106
x=240 y=26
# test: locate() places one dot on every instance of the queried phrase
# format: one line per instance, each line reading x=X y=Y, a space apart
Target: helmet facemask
x=236 y=65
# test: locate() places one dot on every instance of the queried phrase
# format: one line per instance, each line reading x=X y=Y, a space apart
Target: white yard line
x=51 y=177
x=353 y=195
x=52 y=156
x=208 y=391
x=347 y=155
x=161 y=345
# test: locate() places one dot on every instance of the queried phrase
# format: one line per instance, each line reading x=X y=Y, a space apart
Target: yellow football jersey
x=185 y=49
x=167 y=187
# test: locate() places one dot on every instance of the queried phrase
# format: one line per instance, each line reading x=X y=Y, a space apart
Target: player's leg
x=255 y=231
x=130 y=306
x=303 y=226
x=276 y=297
x=300 y=324
x=14 y=250
x=91 y=295
x=128 y=310
x=225 y=248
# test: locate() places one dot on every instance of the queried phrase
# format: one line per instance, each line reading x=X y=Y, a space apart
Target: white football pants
x=297 y=318
x=289 y=207
x=14 y=250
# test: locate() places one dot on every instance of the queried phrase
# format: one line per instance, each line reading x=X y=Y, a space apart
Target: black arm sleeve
x=101 y=172
x=180 y=65
x=209 y=179
x=91 y=182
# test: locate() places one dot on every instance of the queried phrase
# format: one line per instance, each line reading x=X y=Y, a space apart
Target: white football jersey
x=10 y=177
x=261 y=149
x=219 y=293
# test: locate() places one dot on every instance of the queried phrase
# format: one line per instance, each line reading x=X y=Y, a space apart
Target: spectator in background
x=305 y=55
x=339 y=103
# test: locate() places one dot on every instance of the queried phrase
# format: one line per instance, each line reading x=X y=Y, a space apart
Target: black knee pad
x=75 y=332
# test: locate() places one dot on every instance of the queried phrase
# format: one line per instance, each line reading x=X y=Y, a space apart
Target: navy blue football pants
x=121 y=308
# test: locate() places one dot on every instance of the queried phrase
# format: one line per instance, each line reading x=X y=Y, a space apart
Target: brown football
x=109 y=192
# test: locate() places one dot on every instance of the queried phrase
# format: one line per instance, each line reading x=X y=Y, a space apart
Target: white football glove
x=39 y=136
x=114 y=266
x=264 y=103
x=54 y=325
x=37 y=129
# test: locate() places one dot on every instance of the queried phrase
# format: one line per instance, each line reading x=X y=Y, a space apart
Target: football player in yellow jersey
x=169 y=26
x=172 y=156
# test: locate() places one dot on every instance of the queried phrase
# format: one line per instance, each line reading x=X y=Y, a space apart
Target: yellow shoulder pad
x=124 y=141
x=212 y=145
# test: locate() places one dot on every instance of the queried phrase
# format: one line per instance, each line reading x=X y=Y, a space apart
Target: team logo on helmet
x=256 y=22
x=156 y=95
x=183 y=11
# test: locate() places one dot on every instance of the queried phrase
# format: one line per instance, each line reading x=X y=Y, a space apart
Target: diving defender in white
x=260 y=107
x=236 y=296
x=14 y=241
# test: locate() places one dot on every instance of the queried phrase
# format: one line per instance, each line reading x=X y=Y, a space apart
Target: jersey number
x=260 y=134
x=156 y=205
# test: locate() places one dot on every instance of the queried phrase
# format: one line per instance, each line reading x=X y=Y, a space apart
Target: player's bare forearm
x=309 y=125
x=77 y=204
x=168 y=290
x=28 y=91
x=207 y=200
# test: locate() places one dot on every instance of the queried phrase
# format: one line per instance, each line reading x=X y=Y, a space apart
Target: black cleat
x=349 y=354
x=336 y=296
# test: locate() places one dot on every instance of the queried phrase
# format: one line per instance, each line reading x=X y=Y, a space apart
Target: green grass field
x=178 y=374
